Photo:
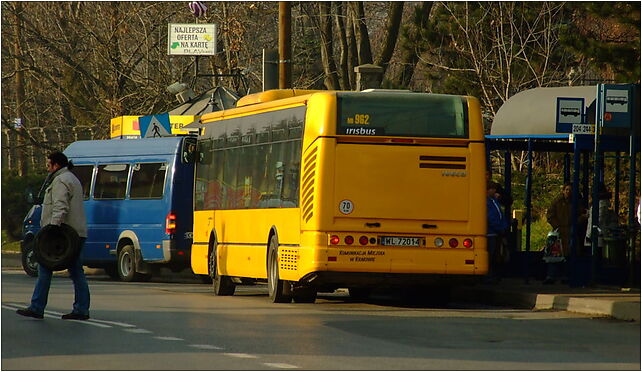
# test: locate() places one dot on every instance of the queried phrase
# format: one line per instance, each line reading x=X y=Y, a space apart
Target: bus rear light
x=453 y=243
x=439 y=242
x=181 y=253
x=468 y=243
x=170 y=223
x=363 y=240
x=349 y=239
x=334 y=240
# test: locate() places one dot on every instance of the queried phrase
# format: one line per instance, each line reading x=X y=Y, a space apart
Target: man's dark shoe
x=75 y=316
x=29 y=313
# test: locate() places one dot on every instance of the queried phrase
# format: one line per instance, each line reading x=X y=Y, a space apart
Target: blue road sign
x=155 y=125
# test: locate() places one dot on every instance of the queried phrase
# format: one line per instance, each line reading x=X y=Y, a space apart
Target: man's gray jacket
x=63 y=202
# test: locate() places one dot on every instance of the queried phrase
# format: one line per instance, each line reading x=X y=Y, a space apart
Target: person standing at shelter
x=497 y=227
x=559 y=217
x=504 y=198
x=63 y=203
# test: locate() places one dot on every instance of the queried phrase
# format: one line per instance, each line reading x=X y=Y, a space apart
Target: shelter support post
x=574 y=272
x=631 y=222
x=616 y=192
x=527 y=203
x=567 y=168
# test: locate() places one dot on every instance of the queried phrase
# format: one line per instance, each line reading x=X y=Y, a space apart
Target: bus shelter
x=529 y=122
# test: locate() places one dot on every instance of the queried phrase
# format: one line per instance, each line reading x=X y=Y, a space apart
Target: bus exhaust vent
x=307 y=184
x=289 y=259
x=442 y=162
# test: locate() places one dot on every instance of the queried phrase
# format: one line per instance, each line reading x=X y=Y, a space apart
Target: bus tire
x=280 y=291
x=126 y=264
x=304 y=295
x=29 y=263
x=221 y=284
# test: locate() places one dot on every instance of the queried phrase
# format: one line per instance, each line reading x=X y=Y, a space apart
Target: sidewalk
x=598 y=301
x=615 y=302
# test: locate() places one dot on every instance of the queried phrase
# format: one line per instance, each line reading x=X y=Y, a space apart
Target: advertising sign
x=191 y=39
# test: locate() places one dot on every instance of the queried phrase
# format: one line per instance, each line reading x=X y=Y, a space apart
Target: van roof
x=124 y=147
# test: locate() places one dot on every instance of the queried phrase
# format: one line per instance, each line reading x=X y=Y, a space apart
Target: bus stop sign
x=570 y=111
x=615 y=105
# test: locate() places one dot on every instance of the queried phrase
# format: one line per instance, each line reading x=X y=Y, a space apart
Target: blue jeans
x=81 y=288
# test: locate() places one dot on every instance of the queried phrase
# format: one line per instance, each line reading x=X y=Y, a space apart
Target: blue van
x=138 y=203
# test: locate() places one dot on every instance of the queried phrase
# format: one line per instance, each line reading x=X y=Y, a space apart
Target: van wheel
x=221 y=284
x=29 y=263
x=126 y=265
x=280 y=291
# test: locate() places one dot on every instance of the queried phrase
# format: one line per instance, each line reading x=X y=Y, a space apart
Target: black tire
x=280 y=291
x=112 y=272
x=56 y=247
x=304 y=295
x=222 y=285
x=29 y=263
x=359 y=293
x=126 y=265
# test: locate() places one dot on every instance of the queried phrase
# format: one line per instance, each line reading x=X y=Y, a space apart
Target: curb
x=612 y=306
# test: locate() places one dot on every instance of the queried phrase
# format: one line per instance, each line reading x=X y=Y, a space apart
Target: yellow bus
x=319 y=190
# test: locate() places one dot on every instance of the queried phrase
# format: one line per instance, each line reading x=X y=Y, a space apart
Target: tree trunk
x=353 y=54
x=331 y=80
x=361 y=31
x=20 y=90
x=343 y=39
x=412 y=50
x=392 y=32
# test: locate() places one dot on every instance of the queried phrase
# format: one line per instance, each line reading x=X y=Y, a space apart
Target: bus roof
x=124 y=147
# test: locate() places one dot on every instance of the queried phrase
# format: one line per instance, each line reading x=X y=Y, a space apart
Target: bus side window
x=111 y=181
x=84 y=174
x=148 y=181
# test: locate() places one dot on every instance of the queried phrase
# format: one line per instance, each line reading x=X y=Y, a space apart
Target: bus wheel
x=126 y=265
x=29 y=263
x=221 y=284
x=304 y=295
x=279 y=290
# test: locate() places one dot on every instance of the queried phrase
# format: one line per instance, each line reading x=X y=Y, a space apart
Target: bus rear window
x=397 y=114
x=148 y=181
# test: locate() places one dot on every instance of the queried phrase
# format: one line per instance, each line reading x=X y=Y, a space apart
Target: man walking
x=63 y=203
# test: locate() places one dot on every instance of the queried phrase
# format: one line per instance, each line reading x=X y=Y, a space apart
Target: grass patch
x=9 y=246
x=539 y=230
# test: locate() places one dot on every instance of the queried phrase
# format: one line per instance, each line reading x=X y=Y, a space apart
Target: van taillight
x=170 y=223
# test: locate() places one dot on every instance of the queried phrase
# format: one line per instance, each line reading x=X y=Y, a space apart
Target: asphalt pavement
x=600 y=301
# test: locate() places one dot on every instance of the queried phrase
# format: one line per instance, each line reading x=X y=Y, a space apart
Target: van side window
x=84 y=173
x=148 y=181
x=111 y=181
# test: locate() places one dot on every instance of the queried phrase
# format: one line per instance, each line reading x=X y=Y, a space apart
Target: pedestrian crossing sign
x=155 y=125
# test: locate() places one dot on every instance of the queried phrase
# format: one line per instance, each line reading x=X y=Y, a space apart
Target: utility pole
x=20 y=91
x=285 y=45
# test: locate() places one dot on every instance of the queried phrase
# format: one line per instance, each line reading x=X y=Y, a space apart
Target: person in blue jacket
x=497 y=228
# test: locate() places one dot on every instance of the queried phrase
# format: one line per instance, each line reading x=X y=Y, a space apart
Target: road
x=178 y=324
